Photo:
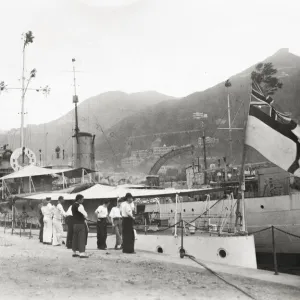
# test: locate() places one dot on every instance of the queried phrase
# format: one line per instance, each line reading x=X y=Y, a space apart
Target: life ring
x=16 y=159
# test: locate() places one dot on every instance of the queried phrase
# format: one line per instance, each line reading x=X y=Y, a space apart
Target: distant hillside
x=172 y=116
x=107 y=109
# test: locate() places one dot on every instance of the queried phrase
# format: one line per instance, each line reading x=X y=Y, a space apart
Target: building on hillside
x=131 y=162
x=160 y=151
x=163 y=169
x=209 y=141
x=141 y=153
x=156 y=143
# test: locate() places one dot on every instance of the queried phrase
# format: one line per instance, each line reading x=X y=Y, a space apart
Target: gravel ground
x=30 y=270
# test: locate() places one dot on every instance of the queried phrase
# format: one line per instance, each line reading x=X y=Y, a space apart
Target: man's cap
x=128 y=195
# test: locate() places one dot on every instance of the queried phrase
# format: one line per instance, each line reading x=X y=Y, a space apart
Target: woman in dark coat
x=128 y=220
x=41 y=219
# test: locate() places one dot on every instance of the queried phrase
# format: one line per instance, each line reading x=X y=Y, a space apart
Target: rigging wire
x=107 y=140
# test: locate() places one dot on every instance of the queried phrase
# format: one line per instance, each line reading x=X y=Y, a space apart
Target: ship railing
x=216 y=224
x=20 y=223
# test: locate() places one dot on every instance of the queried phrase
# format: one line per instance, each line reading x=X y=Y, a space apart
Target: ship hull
x=282 y=212
x=229 y=250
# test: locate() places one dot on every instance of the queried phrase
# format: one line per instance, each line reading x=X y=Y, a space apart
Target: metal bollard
x=274 y=252
x=4 y=223
x=13 y=220
x=30 y=236
x=145 y=226
x=20 y=228
x=181 y=248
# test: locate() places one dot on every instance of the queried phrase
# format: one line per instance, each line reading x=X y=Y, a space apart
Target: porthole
x=262 y=207
x=171 y=210
x=192 y=209
x=222 y=253
x=184 y=210
x=159 y=249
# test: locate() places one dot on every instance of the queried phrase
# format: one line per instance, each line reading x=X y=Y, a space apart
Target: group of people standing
x=121 y=217
x=51 y=217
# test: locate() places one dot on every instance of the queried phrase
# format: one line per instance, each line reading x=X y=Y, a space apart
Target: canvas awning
x=41 y=196
x=99 y=191
x=31 y=171
x=76 y=173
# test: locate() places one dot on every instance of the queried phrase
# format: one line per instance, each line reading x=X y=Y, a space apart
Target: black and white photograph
x=149 y=149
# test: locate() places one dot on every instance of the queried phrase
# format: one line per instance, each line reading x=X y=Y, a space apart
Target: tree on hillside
x=263 y=75
x=227 y=83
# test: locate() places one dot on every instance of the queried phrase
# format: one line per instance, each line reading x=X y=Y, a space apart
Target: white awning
x=53 y=196
x=99 y=191
x=31 y=171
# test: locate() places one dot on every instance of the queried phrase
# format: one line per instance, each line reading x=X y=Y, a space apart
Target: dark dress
x=86 y=232
x=79 y=230
x=128 y=235
x=69 y=221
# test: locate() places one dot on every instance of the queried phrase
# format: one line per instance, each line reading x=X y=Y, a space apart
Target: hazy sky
x=175 y=47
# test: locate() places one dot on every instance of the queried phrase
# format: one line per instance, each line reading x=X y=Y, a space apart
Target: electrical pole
x=23 y=98
x=27 y=39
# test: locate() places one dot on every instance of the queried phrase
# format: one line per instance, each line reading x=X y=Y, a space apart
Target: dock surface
x=31 y=270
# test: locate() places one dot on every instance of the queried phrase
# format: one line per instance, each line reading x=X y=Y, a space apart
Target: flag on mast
x=272 y=133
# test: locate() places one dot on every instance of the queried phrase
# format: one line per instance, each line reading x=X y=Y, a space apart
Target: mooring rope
x=219 y=276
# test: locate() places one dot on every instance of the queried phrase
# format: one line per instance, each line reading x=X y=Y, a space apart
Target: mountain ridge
x=177 y=116
x=106 y=109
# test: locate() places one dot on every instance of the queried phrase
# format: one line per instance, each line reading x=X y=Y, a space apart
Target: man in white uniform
x=116 y=221
x=102 y=216
x=47 y=212
x=58 y=214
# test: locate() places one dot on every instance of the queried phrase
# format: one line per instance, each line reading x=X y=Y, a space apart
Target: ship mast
x=240 y=211
x=230 y=128
x=204 y=153
x=75 y=99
